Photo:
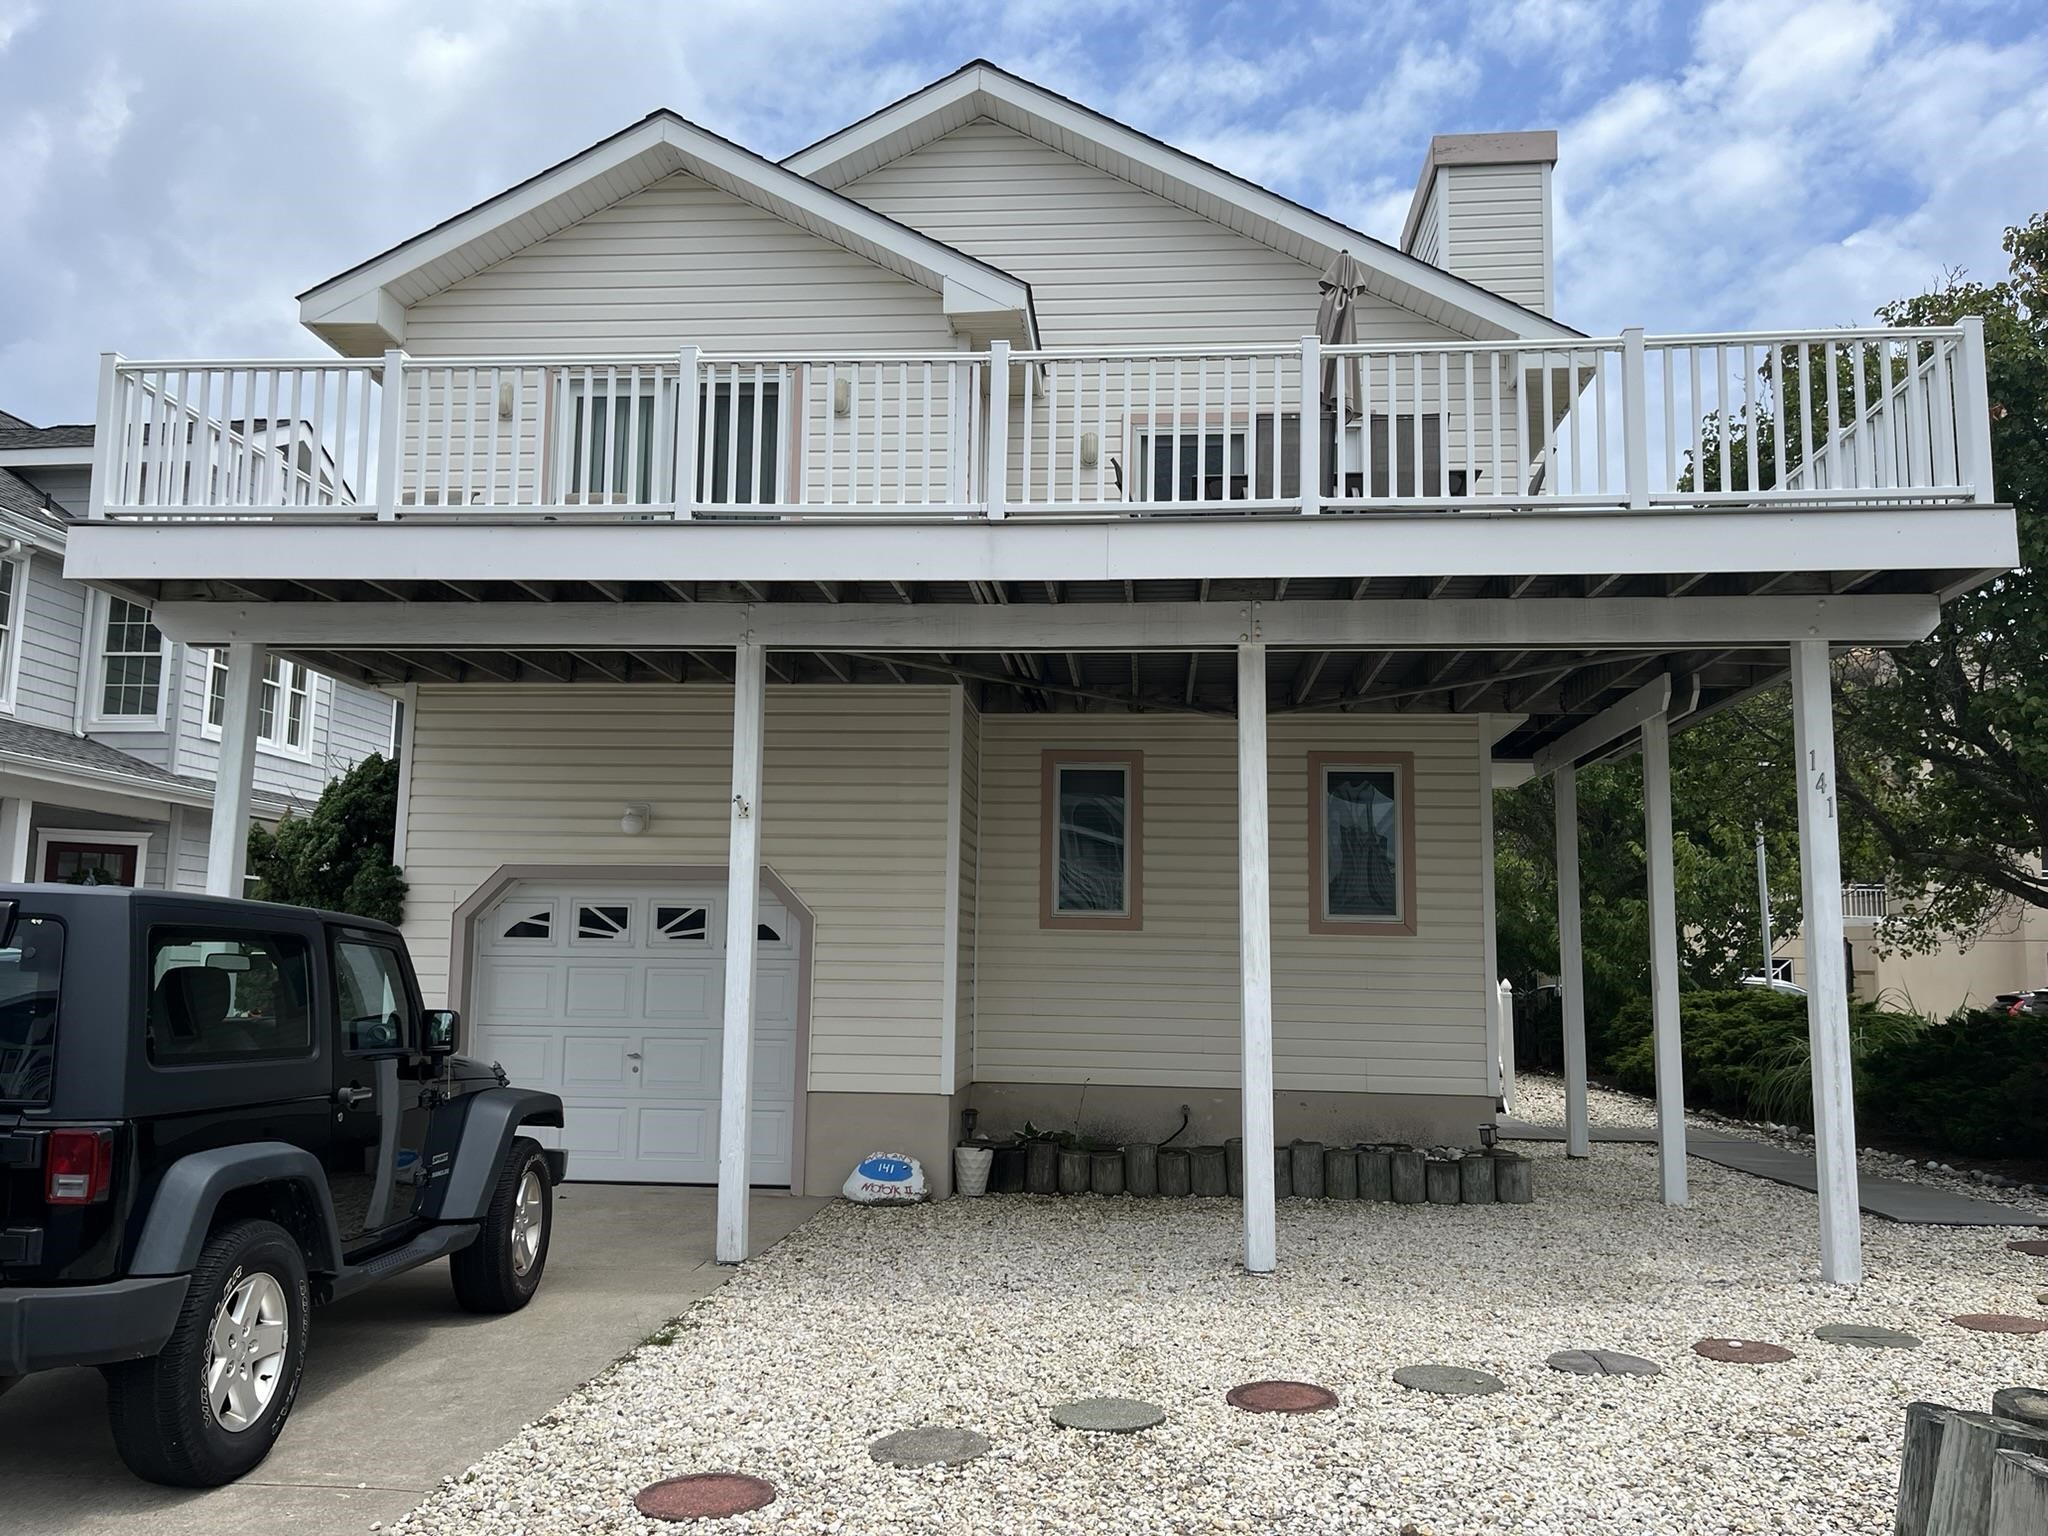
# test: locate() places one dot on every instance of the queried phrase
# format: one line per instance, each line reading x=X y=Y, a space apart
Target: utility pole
x=1763 y=902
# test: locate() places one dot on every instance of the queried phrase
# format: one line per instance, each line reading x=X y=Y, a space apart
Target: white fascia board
x=1619 y=719
x=463 y=547
x=359 y=296
x=374 y=309
x=1444 y=624
x=68 y=457
x=1178 y=167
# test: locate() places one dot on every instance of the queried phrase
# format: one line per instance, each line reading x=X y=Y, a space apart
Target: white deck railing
x=1631 y=422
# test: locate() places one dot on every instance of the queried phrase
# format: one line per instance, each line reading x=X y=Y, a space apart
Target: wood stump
x=1514 y=1181
x=1208 y=1172
x=1308 y=1169
x=1106 y=1172
x=1475 y=1179
x=1041 y=1167
x=2027 y=1404
x=1408 y=1184
x=1970 y=1443
x=2019 y=1494
x=1375 y=1173
x=1174 y=1174
x=1283 y=1173
x=1073 y=1174
x=1233 y=1166
x=1440 y=1181
x=1340 y=1174
x=1141 y=1169
x=1006 y=1173
x=1919 y=1454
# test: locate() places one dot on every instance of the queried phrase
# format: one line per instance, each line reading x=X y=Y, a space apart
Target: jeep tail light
x=79 y=1167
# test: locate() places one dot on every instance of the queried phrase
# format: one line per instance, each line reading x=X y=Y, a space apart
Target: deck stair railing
x=1616 y=424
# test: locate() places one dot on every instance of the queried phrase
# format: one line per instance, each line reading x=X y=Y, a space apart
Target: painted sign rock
x=886 y=1178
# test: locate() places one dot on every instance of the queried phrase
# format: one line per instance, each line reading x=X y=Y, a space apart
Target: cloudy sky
x=173 y=171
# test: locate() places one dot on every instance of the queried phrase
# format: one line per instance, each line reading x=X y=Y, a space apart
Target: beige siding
x=854 y=821
x=970 y=881
x=1161 y=1007
x=1109 y=264
x=1498 y=217
x=1429 y=228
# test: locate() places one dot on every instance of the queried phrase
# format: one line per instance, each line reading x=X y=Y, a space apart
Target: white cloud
x=15 y=18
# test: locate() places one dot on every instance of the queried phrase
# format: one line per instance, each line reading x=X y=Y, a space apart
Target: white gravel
x=1540 y=1101
x=984 y=1314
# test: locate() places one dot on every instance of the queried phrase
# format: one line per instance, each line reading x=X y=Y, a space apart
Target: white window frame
x=1238 y=443
x=275 y=743
x=17 y=568
x=98 y=612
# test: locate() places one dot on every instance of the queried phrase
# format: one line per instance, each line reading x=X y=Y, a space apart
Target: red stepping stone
x=1281 y=1397
x=2000 y=1322
x=1742 y=1351
x=703 y=1496
x=2037 y=1246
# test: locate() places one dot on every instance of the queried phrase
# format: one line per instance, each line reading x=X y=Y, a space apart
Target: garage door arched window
x=687 y=925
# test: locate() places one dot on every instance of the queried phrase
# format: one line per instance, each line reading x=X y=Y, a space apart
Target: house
x=2009 y=955
x=109 y=730
x=933 y=622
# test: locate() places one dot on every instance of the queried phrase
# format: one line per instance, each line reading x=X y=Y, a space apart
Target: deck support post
x=1670 y=1065
x=742 y=904
x=1255 y=958
x=227 y=840
x=15 y=815
x=1571 y=971
x=1827 y=986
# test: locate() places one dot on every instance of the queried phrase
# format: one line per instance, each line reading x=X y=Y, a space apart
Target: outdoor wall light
x=1091 y=449
x=842 y=397
x=505 y=398
x=634 y=822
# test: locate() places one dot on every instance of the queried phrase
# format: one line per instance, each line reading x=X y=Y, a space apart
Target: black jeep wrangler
x=214 y=1114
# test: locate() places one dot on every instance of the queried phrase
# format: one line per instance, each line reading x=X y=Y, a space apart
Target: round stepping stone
x=1864 y=1336
x=1602 y=1362
x=1742 y=1351
x=1447 y=1380
x=703 y=1496
x=2037 y=1246
x=1108 y=1415
x=1281 y=1397
x=2000 y=1322
x=928 y=1445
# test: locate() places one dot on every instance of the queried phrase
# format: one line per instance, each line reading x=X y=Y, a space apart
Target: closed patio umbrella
x=1337 y=325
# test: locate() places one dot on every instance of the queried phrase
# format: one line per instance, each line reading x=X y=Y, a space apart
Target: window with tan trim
x=1091 y=869
x=1361 y=844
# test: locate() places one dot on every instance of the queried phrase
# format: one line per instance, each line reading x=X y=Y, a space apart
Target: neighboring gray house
x=109 y=732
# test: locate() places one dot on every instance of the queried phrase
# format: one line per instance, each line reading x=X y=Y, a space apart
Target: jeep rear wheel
x=209 y=1406
x=501 y=1270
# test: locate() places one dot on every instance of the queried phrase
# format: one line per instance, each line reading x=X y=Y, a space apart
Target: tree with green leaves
x=338 y=855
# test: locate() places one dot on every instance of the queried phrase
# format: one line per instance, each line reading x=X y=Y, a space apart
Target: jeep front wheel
x=210 y=1405
x=501 y=1270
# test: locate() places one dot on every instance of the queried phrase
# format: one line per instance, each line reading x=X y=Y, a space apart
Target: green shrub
x=338 y=855
x=1745 y=1050
x=1976 y=1085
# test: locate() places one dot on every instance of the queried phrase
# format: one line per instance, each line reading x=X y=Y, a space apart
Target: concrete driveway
x=401 y=1387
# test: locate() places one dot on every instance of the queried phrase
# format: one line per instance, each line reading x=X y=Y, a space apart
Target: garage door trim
x=463 y=947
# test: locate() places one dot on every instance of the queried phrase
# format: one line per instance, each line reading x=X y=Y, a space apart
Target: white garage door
x=611 y=996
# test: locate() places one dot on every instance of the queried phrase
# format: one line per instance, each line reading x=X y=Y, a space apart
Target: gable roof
x=362 y=311
x=981 y=89
x=25 y=446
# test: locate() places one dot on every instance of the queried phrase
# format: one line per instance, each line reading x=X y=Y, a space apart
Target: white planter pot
x=970 y=1170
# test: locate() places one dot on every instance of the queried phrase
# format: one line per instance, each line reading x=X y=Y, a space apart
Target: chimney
x=1481 y=211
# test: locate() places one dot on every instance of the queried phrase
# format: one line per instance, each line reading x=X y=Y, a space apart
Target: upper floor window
x=13 y=592
x=614 y=439
x=1089 y=840
x=284 y=716
x=131 y=663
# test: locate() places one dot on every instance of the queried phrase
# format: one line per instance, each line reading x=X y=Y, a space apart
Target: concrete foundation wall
x=843 y=1128
x=1116 y=1114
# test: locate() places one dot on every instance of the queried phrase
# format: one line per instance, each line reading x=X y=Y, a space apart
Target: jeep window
x=374 y=1006
x=31 y=973
x=216 y=994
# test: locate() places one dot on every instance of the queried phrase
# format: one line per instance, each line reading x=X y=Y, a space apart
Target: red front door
x=90 y=863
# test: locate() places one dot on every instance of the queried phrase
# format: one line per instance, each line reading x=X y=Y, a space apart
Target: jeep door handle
x=353 y=1098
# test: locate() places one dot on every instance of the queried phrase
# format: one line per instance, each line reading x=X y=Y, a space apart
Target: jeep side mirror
x=438 y=1037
